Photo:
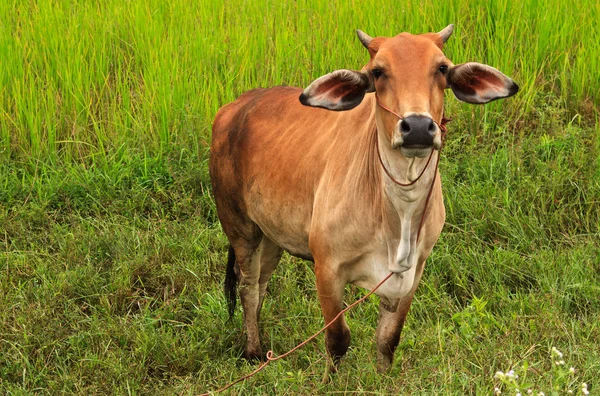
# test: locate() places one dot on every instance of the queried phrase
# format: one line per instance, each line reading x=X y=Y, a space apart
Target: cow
x=339 y=173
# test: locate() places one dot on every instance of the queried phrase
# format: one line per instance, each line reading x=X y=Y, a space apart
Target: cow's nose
x=417 y=131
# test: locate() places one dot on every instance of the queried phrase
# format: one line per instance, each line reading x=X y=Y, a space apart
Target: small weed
x=475 y=320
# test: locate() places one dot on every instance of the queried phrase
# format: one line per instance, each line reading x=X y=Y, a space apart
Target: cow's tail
x=231 y=282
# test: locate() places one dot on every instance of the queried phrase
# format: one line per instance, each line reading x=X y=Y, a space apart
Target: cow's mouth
x=416 y=150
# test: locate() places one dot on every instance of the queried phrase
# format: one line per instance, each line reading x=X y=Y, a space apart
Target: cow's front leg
x=391 y=323
x=330 y=288
x=389 y=328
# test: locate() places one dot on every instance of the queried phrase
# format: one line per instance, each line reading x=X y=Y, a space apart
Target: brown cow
x=288 y=173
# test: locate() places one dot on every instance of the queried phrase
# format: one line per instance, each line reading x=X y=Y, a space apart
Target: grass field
x=111 y=255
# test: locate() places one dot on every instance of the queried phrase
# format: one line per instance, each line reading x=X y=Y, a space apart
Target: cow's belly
x=286 y=225
x=294 y=243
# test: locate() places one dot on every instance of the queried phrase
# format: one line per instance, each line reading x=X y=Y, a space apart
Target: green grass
x=111 y=255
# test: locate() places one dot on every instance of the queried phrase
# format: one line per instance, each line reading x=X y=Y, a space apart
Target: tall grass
x=111 y=254
x=81 y=79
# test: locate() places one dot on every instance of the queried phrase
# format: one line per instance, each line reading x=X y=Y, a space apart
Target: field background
x=111 y=255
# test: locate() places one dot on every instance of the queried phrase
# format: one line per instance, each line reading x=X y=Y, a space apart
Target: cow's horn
x=364 y=38
x=446 y=32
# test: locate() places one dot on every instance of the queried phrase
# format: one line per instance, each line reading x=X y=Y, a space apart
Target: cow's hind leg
x=256 y=263
x=247 y=255
x=269 y=257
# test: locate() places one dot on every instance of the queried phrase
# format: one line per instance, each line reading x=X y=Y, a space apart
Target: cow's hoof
x=254 y=355
x=384 y=363
x=330 y=370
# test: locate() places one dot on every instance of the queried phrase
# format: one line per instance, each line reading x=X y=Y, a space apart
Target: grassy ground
x=111 y=256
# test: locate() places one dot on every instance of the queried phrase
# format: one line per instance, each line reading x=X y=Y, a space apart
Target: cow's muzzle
x=416 y=135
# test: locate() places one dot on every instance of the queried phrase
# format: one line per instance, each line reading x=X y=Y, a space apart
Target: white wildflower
x=572 y=370
x=584 y=389
x=529 y=392
x=497 y=391
x=541 y=394
x=557 y=353
x=569 y=392
x=499 y=375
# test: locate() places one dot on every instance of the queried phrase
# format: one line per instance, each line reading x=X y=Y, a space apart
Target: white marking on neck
x=405 y=257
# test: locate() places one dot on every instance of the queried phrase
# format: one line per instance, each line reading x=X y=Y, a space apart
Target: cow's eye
x=377 y=73
x=443 y=69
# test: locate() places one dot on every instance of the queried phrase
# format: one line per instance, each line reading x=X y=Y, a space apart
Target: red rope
x=270 y=356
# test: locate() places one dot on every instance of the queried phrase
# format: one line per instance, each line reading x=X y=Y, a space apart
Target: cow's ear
x=339 y=90
x=477 y=83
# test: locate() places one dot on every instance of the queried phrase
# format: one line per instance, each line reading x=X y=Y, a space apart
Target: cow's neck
x=403 y=205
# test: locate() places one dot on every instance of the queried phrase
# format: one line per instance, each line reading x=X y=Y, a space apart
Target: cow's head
x=409 y=75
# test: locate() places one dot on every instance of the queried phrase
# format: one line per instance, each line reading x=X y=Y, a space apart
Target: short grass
x=111 y=255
